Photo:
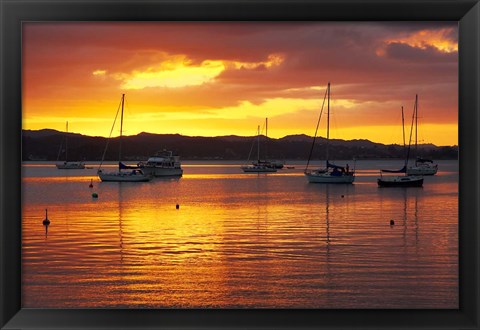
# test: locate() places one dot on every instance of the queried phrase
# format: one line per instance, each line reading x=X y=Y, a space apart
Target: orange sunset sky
x=225 y=78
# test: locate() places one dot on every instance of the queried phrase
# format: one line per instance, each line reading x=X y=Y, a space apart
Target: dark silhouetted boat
x=401 y=180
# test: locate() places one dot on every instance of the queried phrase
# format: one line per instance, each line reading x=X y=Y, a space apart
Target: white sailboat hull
x=326 y=177
x=123 y=177
x=70 y=166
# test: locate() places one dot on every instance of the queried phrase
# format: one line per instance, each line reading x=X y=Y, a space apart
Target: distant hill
x=47 y=144
x=297 y=138
x=40 y=133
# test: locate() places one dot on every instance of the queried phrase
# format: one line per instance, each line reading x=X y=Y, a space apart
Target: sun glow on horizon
x=438 y=134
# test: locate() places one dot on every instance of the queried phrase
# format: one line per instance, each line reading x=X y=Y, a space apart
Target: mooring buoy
x=46 y=222
x=392 y=222
x=94 y=195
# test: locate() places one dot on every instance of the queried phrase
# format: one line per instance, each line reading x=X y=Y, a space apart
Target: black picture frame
x=14 y=12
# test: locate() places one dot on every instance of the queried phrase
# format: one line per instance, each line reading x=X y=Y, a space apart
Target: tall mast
x=266 y=137
x=403 y=131
x=410 y=137
x=328 y=121
x=258 y=144
x=121 y=131
x=416 y=125
x=66 y=142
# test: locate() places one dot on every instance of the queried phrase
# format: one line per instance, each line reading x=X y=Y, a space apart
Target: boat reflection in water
x=238 y=241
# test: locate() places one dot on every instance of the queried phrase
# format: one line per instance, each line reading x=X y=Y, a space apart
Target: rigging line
x=129 y=113
x=333 y=115
x=108 y=140
x=411 y=131
x=66 y=142
x=59 y=151
x=316 y=129
x=259 y=133
x=251 y=148
x=416 y=126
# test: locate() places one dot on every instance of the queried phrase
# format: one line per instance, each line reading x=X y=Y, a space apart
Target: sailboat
x=259 y=166
x=269 y=163
x=134 y=174
x=331 y=173
x=68 y=165
x=422 y=166
x=401 y=180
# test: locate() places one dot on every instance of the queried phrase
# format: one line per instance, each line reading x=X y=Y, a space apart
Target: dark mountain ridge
x=48 y=144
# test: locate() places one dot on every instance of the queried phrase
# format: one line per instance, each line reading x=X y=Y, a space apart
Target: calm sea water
x=239 y=240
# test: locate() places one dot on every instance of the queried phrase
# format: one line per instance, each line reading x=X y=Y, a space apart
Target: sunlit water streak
x=239 y=240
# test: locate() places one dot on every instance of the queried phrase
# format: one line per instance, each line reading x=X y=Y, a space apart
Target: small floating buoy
x=46 y=222
x=343 y=196
x=392 y=222
x=177 y=206
x=95 y=195
x=91 y=183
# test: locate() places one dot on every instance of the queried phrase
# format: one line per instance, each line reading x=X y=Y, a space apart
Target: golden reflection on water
x=239 y=240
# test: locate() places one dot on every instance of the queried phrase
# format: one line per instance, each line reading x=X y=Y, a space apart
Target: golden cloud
x=179 y=71
x=174 y=75
x=99 y=72
x=439 y=39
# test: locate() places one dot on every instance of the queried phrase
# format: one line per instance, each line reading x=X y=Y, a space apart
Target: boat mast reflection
x=120 y=219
